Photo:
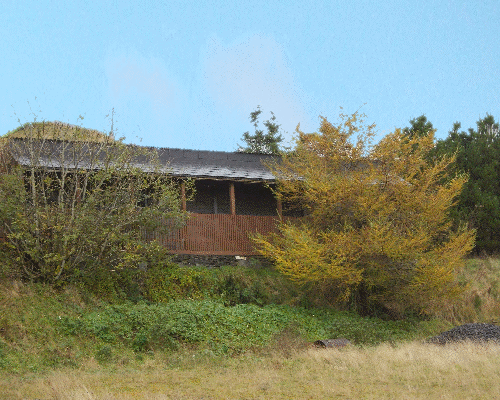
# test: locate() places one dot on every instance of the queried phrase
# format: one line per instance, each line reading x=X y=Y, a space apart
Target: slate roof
x=216 y=164
x=177 y=162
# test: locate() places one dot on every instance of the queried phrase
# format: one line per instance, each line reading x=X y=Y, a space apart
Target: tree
x=419 y=127
x=78 y=208
x=260 y=142
x=478 y=155
x=376 y=230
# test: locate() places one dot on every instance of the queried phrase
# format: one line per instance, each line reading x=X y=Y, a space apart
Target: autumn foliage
x=376 y=231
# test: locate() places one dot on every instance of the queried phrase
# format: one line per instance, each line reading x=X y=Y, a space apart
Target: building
x=233 y=199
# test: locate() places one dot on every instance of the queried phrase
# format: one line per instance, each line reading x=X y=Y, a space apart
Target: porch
x=218 y=234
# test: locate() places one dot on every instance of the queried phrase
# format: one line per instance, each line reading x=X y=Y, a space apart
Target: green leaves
x=225 y=329
x=478 y=156
x=74 y=209
x=260 y=142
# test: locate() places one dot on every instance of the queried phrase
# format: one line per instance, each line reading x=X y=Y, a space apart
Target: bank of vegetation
x=221 y=312
x=223 y=324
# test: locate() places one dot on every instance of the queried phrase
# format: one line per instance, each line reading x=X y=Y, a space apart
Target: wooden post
x=232 y=200
x=280 y=208
x=78 y=191
x=183 y=195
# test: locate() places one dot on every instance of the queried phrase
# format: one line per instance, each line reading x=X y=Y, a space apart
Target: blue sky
x=188 y=75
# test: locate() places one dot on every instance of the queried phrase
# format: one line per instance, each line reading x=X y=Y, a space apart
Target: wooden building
x=233 y=196
x=233 y=200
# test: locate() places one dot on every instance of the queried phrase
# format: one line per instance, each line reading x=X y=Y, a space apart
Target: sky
x=183 y=75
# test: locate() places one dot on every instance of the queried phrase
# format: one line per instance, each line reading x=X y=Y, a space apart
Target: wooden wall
x=217 y=234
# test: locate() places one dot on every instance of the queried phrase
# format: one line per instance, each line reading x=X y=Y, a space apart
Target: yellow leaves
x=376 y=216
x=303 y=256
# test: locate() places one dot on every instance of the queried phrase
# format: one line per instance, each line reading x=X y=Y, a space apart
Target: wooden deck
x=217 y=234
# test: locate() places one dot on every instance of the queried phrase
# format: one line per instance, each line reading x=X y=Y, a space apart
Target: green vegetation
x=260 y=142
x=43 y=328
x=77 y=210
x=230 y=285
x=478 y=155
x=419 y=127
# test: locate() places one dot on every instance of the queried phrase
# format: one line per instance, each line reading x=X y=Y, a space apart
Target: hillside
x=58 y=130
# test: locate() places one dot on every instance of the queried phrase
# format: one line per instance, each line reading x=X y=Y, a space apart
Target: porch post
x=183 y=195
x=78 y=190
x=232 y=200
x=280 y=208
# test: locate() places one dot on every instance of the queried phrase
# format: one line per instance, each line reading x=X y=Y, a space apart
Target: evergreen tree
x=478 y=155
x=419 y=127
x=260 y=142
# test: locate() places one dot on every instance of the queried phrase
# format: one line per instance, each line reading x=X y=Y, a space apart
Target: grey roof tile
x=179 y=162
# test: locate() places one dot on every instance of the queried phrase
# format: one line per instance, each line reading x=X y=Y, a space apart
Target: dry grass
x=481 y=301
x=407 y=371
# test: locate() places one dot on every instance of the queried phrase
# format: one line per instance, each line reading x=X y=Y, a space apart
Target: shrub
x=77 y=208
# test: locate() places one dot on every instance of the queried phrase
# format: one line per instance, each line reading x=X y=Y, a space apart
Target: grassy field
x=68 y=344
x=407 y=371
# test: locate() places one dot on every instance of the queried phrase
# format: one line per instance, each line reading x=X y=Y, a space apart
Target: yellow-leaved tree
x=376 y=230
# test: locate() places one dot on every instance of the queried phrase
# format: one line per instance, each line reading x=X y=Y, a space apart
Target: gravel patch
x=473 y=332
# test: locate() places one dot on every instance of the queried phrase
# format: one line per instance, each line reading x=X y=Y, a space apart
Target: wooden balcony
x=218 y=234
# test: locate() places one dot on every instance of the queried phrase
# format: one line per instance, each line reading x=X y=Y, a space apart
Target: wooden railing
x=217 y=234
x=214 y=234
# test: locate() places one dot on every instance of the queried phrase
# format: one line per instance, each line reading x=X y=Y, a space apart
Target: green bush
x=231 y=285
x=224 y=329
x=168 y=282
x=83 y=221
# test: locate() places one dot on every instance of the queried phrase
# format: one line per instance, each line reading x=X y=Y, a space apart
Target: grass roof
x=59 y=131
